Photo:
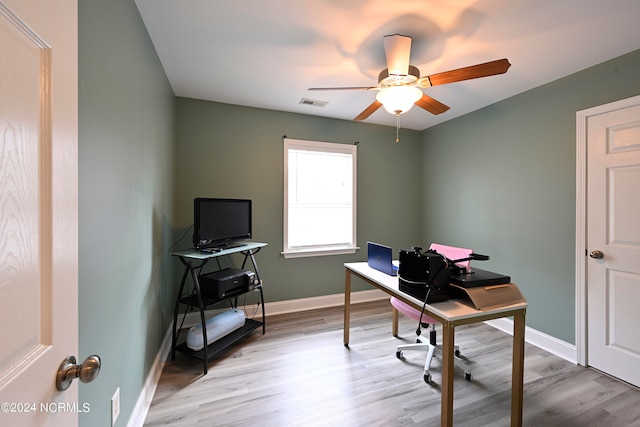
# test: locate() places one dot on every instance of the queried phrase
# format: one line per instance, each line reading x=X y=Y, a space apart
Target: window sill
x=319 y=252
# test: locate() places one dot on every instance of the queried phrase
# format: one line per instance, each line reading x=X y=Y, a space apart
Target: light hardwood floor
x=300 y=374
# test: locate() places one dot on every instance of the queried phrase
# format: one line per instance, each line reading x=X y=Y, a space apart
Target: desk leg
x=347 y=305
x=394 y=321
x=517 y=375
x=446 y=410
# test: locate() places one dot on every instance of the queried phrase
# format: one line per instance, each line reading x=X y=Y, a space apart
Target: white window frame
x=318 y=250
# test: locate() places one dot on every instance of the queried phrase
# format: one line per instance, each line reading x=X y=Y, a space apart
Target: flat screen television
x=220 y=223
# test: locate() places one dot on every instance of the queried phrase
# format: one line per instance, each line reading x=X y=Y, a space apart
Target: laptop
x=379 y=257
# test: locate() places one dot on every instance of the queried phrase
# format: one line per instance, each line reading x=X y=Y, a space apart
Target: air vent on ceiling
x=314 y=102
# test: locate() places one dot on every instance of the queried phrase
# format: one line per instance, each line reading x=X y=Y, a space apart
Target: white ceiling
x=267 y=53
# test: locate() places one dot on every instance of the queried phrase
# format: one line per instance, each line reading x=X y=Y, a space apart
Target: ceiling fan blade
x=397 y=49
x=344 y=88
x=431 y=105
x=473 y=72
x=368 y=111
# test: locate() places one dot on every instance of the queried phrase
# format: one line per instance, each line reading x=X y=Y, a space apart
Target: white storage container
x=217 y=327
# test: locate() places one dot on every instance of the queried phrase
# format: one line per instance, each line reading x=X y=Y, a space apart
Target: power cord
x=181 y=237
x=424 y=306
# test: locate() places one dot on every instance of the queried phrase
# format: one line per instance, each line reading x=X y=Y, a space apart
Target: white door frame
x=581 y=219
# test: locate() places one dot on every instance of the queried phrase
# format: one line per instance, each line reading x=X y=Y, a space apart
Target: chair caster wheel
x=399 y=354
x=467 y=376
x=427 y=378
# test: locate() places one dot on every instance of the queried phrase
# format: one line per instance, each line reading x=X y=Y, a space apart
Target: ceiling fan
x=400 y=84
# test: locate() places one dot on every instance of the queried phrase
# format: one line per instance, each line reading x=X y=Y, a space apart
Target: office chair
x=422 y=343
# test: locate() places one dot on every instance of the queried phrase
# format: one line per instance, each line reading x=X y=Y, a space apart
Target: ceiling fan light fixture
x=398 y=99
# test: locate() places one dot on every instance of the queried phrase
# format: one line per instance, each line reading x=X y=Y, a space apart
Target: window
x=319 y=198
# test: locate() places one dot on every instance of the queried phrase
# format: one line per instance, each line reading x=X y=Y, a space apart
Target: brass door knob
x=596 y=254
x=87 y=371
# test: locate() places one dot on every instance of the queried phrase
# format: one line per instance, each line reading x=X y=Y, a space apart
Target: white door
x=38 y=210
x=613 y=240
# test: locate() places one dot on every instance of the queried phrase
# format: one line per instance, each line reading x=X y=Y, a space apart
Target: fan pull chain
x=397 y=127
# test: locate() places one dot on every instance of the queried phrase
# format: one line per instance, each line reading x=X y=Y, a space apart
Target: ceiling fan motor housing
x=386 y=80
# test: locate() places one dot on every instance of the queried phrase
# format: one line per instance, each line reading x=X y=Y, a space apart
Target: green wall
x=502 y=181
x=126 y=152
x=237 y=152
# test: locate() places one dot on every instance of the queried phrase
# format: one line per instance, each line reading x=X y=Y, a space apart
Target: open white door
x=613 y=238
x=38 y=210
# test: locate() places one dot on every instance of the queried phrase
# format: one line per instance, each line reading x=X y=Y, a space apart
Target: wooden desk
x=450 y=313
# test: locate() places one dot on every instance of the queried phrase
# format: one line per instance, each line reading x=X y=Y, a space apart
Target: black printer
x=226 y=283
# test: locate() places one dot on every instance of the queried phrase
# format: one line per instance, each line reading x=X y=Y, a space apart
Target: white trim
x=539 y=339
x=329 y=147
x=141 y=408
x=319 y=252
x=532 y=336
x=581 y=237
x=582 y=118
x=313 y=303
x=296 y=305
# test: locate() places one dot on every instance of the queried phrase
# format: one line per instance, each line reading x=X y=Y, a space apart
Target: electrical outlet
x=115 y=406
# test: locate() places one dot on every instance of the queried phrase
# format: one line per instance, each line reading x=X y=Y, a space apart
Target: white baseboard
x=539 y=339
x=141 y=409
x=143 y=403
x=296 y=305
x=303 y=304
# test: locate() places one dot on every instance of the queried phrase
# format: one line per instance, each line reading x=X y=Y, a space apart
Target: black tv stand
x=194 y=260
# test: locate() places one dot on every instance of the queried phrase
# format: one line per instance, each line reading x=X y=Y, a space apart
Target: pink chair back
x=453 y=253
